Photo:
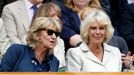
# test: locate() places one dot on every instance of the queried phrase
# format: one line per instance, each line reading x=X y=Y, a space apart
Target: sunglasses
x=50 y=32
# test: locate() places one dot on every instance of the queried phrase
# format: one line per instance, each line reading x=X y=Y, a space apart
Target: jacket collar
x=85 y=48
x=88 y=54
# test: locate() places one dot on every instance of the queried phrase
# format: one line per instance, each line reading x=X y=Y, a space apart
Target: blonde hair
x=102 y=18
x=92 y=4
x=37 y=25
x=85 y=12
x=44 y=10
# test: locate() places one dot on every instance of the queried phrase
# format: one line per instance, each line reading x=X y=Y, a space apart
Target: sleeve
x=73 y=63
x=123 y=45
x=10 y=58
x=2 y=2
x=10 y=24
x=4 y=41
x=59 y=52
x=69 y=24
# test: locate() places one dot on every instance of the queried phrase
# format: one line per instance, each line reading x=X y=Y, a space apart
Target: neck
x=79 y=8
x=97 y=50
x=40 y=53
x=33 y=2
x=95 y=47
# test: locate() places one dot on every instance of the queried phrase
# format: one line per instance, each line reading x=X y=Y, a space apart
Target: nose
x=98 y=30
x=54 y=36
x=56 y=17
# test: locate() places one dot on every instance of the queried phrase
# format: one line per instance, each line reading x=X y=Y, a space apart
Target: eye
x=101 y=28
x=92 y=28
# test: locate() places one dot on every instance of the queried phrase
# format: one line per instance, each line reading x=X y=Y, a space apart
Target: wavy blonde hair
x=38 y=24
x=102 y=18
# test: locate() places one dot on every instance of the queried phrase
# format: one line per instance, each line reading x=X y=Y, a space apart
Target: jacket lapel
x=88 y=54
x=106 y=55
x=54 y=64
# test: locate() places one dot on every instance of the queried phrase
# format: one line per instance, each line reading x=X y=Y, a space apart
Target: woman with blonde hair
x=53 y=10
x=37 y=55
x=71 y=20
x=94 y=54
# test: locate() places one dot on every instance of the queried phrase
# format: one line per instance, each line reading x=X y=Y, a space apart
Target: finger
x=129 y=53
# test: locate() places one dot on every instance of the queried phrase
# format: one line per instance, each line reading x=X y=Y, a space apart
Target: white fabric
x=4 y=41
x=30 y=11
x=59 y=52
x=130 y=1
x=81 y=59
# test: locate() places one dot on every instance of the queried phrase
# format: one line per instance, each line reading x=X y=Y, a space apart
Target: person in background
x=94 y=54
x=3 y=3
x=4 y=41
x=128 y=60
x=17 y=18
x=71 y=20
x=126 y=24
x=37 y=55
x=53 y=10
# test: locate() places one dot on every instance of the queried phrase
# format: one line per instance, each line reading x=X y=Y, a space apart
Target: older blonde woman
x=93 y=54
x=53 y=10
x=37 y=55
x=71 y=20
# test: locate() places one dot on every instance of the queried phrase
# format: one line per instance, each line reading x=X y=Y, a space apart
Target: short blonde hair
x=92 y=4
x=44 y=10
x=85 y=12
x=37 y=25
x=102 y=18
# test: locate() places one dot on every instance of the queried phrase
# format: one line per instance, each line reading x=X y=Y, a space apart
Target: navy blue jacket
x=22 y=58
x=71 y=25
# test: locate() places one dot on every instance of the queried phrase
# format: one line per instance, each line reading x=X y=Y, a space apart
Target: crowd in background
x=67 y=35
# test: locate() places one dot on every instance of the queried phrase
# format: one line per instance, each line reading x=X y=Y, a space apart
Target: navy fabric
x=21 y=58
x=71 y=25
x=34 y=8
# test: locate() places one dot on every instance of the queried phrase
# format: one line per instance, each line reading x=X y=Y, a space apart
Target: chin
x=51 y=46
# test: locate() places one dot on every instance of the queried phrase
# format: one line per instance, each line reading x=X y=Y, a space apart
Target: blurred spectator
x=128 y=60
x=126 y=25
x=17 y=17
x=3 y=3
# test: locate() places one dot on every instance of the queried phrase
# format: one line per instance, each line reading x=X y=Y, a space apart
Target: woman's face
x=97 y=33
x=81 y=3
x=53 y=13
x=48 y=37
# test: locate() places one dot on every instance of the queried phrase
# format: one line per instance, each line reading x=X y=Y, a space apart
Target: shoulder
x=112 y=49
x=55 y=59
x=65 y=10
x=76 y=51
x=14 y=5
x=17 y=48
x=106 y=46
